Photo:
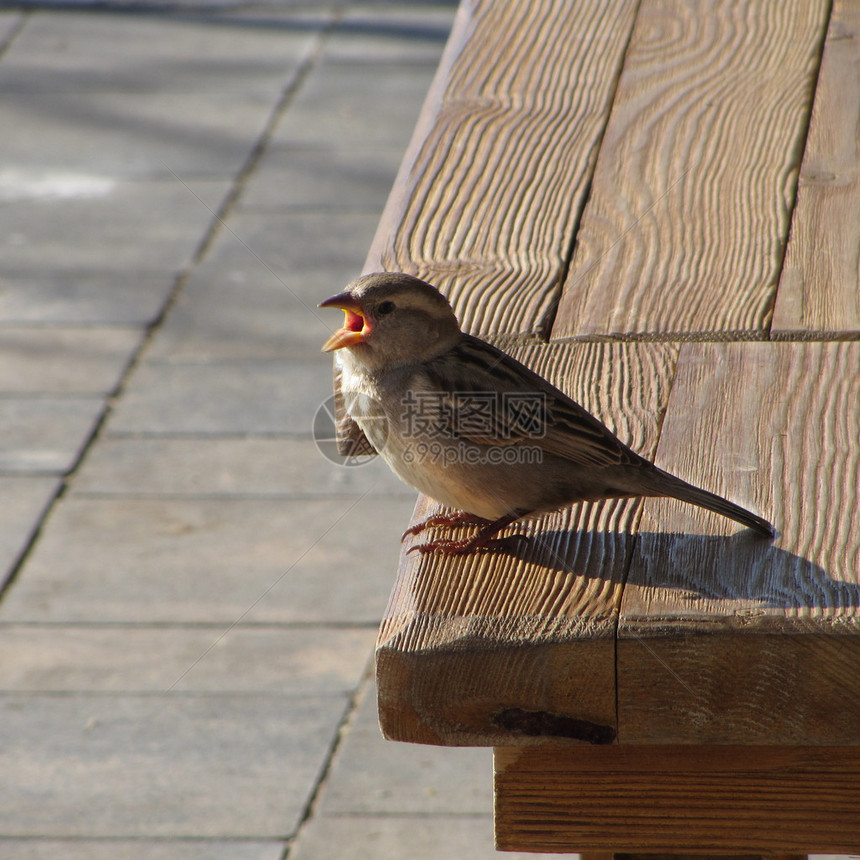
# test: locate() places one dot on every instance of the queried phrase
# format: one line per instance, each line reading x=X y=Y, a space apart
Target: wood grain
x=819 y=291
x=724 y=638
x=702 y=800
x=490 y=191
x=684 y=232
x=492 y=647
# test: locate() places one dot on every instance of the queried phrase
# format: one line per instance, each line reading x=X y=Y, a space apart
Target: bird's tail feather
x=678 y=489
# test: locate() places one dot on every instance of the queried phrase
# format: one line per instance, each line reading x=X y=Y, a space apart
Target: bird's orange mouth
x=354 y=328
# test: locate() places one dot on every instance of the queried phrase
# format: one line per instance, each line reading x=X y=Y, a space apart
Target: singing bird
x=472 y=427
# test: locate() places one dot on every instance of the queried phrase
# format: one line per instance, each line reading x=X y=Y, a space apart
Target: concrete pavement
x=191 y=590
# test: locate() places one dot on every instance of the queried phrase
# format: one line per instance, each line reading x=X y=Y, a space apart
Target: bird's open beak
x=354 y=325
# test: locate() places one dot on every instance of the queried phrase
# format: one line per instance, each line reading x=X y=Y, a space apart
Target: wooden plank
x=684 y=232
x=500 y=647
x=492 y=185
x=674 y=855
x=819 y=291
x=724 y=638
x=708 y=800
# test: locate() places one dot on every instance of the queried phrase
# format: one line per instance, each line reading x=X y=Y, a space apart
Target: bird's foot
x=461 y=547
x=456 y=518
x=484 y=539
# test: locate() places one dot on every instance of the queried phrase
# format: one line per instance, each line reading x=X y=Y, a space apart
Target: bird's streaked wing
x=563 y=427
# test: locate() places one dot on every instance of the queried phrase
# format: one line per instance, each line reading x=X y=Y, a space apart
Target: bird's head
x=392 y=319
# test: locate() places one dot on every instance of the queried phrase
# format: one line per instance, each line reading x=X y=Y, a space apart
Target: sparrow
x=470 y=426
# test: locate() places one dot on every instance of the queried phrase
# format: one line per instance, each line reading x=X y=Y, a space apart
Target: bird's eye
x=385 y=308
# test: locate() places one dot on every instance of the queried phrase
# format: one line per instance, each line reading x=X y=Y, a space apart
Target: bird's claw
x=457 y=518
x=446 y=546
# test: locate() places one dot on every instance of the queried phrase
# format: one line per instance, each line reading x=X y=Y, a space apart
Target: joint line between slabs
x=349 y=713
x=269 y=589
x=219 y=217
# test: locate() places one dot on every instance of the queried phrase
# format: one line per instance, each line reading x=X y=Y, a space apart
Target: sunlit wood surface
x=656 y=205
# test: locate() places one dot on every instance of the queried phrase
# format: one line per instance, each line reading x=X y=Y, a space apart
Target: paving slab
x=256 y=295
x=142 y=226
x=77 y=360
x=132 y=849
x=161 y=766
x=23 y=502
x=418 y=837
x=45 y=184
x=211 y=561
x=52 y=295
x=356 y=106
x=306 y=661
x=302 y=248
x=241 y=468
x=256 y=317
x=132 y=135
x=74 y=51
x=370 y=775
x=394 y=33
x=276 y=397
x=45 y=435
x=203 y=531
x=9 y=24
x=289 y=178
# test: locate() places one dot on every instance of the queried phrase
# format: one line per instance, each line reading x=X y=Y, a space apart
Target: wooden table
x=657 y=206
